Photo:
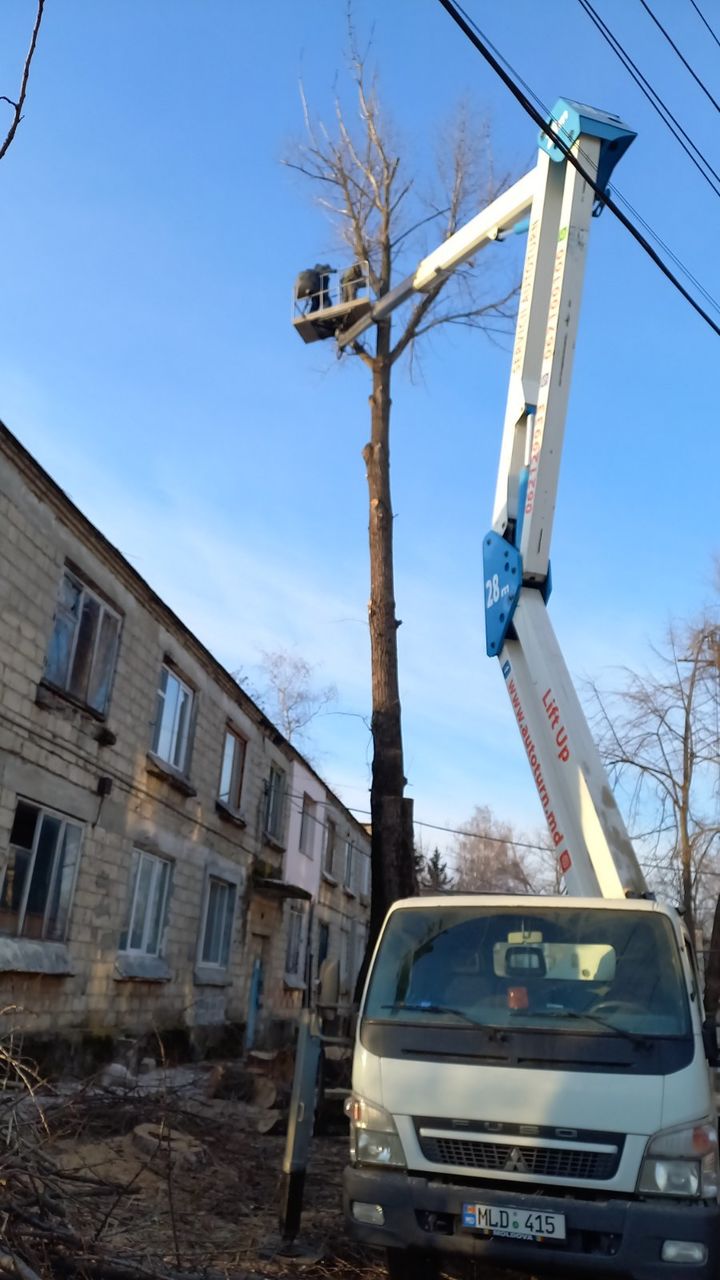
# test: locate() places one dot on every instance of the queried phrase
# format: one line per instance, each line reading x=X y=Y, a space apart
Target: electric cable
x=544 y=108
x=474 y=835
x=605 y=199
x=705 y=22
x=681 y=56
x=653 y=97
x=666 y=249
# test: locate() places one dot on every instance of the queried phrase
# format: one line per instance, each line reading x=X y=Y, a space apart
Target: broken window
x=83 y=646
x=39 y=877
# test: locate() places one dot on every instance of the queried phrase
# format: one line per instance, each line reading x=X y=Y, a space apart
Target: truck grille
x=502 y=1157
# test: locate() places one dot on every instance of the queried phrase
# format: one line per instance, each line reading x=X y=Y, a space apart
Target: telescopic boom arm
x=594 y=851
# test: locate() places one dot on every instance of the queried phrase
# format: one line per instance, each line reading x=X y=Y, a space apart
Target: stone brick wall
x=98 y=771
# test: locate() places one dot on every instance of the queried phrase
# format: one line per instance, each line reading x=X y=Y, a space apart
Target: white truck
x=531 y=1077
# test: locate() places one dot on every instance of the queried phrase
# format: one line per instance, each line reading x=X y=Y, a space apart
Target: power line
x=653 y=97
x=682 y=58
x=603 y=196
x=666 y=248
x=543 y=107
x=475 y=835
x=705 y=22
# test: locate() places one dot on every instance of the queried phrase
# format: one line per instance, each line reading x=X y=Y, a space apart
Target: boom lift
x=594 y=852
x=593 y=849
x=494 y=1031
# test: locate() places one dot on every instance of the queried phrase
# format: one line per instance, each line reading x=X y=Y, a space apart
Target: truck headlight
x=682 y=1163
x=373 y=1136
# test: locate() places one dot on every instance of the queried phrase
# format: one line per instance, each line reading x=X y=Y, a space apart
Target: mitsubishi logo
x=515 y=1162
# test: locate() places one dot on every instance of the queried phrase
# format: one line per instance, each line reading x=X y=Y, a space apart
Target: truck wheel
x=412 y=1264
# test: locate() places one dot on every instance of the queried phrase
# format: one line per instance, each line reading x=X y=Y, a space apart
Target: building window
x=39 y=879
x=308 y=822
x=364 y=876
x=330 y=851
x=294 y=939
x=275 y=803
x=345 y=959
x=361 y=936
x=218 y=923
x=323 y=943
x=171 y=739
x=147 y=914
x=233 y=766
x=349 y=866
x=83 y=645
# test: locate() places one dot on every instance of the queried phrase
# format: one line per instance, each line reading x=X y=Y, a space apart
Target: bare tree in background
x=18 y=104
x=378 y=214
x=491 y=856
x=659 y=737
x=288 y=693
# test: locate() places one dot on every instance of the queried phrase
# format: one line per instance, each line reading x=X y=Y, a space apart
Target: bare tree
x=659 y=737
x=379 y=215
x=17 y=105
x=492 y=857
x=288 y=693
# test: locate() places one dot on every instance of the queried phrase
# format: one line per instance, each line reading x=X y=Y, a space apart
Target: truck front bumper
x=609 y=1238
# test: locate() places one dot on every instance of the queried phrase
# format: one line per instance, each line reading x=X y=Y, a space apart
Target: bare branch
x=363 y=353
x=18 y=106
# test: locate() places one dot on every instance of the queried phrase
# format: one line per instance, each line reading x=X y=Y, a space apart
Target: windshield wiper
x=428 y=1007
x=643 y=1041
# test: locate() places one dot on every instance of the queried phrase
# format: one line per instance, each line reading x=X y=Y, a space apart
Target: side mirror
x=710 y=1041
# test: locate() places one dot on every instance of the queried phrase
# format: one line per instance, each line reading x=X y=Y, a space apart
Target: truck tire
x=412 y=1264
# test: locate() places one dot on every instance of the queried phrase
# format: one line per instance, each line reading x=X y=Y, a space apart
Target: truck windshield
x=565 y=968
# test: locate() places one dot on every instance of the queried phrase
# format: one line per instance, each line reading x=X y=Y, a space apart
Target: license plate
x=517 y=1224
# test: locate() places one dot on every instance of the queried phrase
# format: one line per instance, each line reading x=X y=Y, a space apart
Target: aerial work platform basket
x=316 y=314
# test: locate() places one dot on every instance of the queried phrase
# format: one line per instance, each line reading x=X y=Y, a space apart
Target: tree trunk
x=393 y=869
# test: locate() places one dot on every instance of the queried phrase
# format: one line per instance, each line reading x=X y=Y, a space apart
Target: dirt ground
x=86 y=1200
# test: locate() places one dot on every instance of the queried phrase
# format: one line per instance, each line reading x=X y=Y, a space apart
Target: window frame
x=63 y=686
x=157 y=862
x=183 y=768
x=237 y=769
x=227 y=928
x=349 y=866
x=275 y=795
x=365 y=877
x=308 y=824
x=66 y=822
x=330 y=846
x=344 y=957
x=295 y=917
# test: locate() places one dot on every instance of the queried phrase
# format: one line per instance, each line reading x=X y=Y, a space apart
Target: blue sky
x=149 y=238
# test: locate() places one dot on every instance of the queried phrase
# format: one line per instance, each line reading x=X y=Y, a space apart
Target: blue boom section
x=502 y=574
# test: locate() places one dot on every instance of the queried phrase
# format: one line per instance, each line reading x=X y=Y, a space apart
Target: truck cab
x=530 y=1087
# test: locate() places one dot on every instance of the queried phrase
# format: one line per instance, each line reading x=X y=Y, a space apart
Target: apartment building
x=163 y=848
